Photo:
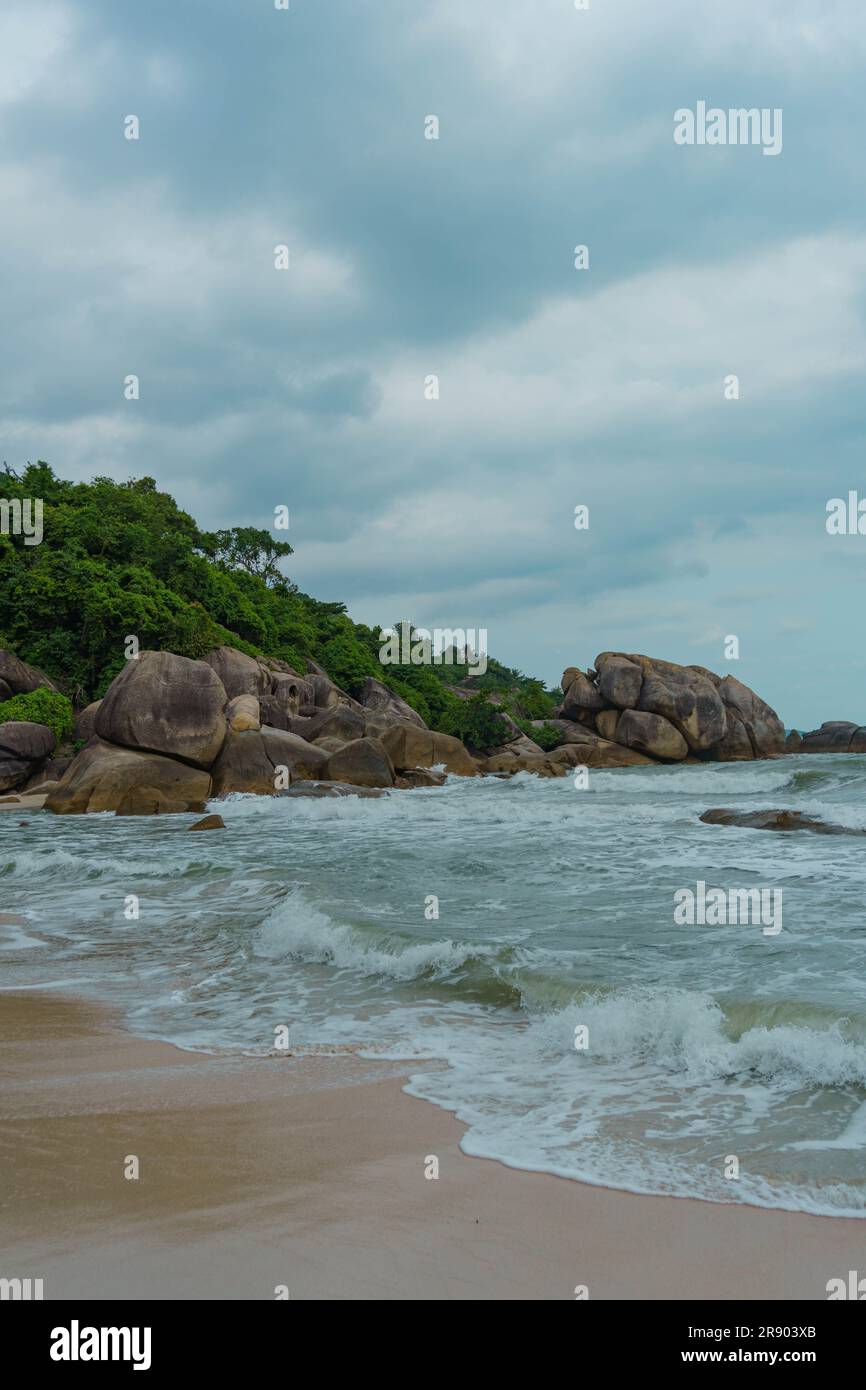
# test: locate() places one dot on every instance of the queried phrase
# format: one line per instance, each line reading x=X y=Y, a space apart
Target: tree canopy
x=122 y=558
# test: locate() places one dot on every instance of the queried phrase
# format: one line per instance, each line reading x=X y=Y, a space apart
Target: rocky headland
x=834 y=736
x=172 y=733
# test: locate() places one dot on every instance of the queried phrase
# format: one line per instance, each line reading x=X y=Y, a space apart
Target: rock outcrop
x=373 y=695
x=364 y=763
x=598 y=752
x=669 y=712
x=162 y=703
x=243 y=713
x=24 y=747
x=85 y=721
x=334 y=722
x=410 y=747
x=103 y=775
x=171 y=732
x=762 y=724
x=652 y=734
x=19 y=678
x=265 y=761
x=834 y=736
x=238 y=673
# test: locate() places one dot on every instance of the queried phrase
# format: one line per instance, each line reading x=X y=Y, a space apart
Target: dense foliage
x=547 y=737
x=477 y=722
x=122 y=558
x=41 y=706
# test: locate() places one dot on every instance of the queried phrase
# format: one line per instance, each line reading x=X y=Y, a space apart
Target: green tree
x=246 y=548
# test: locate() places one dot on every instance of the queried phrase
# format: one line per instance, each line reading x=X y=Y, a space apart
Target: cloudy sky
x=411 y=257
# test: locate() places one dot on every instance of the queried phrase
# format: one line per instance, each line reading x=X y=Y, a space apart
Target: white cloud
x=140 y=253
x=656 y=346
x=533 y=52
x=35 y=39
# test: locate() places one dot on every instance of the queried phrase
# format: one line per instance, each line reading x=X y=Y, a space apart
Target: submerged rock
x=209 y=823
x=331 y=789
x=776 y=820
x=421 y=777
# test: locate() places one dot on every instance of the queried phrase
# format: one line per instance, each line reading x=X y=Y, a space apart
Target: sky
x=411 y=257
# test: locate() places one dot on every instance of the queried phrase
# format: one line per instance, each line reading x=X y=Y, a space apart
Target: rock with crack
x=265 y=761
x=103 y=774
x=162 y=703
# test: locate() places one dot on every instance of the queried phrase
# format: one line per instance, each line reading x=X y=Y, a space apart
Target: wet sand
x=309 y=1173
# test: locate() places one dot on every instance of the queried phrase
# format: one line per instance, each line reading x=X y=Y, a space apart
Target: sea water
x=719 y=1062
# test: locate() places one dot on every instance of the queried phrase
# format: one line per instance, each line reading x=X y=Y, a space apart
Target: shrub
x=41 y=706
x=532 y=701
x=547 y=737
x=477 y=722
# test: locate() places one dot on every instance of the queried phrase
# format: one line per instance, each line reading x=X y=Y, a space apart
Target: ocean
x=489 y=926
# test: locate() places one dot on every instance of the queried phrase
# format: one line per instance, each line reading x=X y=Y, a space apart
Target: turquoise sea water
x=556 y=912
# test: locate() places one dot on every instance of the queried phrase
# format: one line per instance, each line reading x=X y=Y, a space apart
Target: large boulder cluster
x=670 y=713
x=629 y=710
x=170 y=733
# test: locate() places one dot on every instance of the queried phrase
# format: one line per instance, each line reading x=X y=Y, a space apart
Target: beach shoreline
x=307 y=1174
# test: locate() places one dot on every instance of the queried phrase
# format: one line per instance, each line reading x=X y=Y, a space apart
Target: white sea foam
x=312 y=910
x=687 y=1033
x=741 y=779
x=297 y=930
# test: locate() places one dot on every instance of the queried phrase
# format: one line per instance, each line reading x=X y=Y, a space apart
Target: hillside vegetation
x=123 y=558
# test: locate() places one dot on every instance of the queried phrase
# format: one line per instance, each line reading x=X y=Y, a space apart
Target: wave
x=33 y=863
x=692 y=1035
x=696 y=779
x=681 y=1031
x=297 y=930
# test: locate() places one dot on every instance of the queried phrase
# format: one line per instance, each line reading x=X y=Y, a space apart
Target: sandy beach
x=310 y=1173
